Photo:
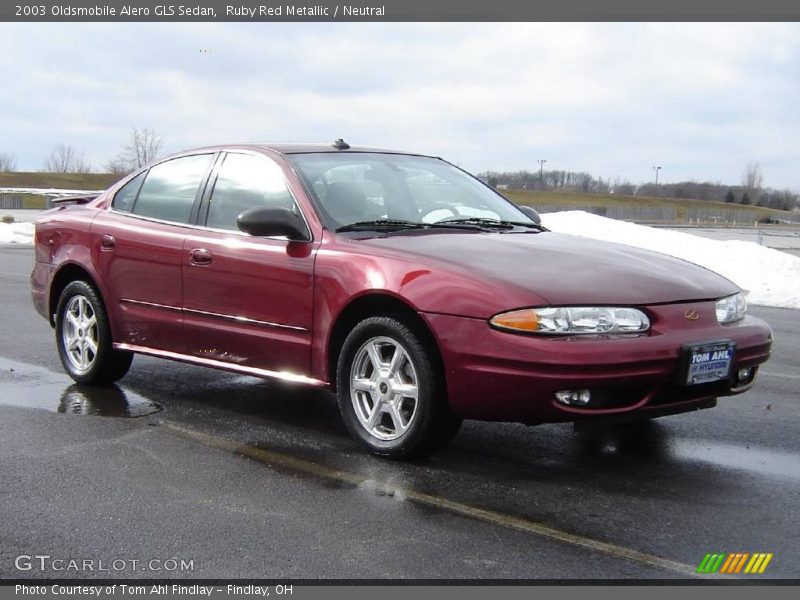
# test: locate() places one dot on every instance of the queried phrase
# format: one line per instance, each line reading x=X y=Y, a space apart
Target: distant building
x=10 y=201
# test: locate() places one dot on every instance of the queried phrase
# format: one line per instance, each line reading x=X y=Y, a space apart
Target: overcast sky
x=701 y=100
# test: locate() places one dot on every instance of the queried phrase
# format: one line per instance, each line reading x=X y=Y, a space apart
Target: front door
x=248 y=300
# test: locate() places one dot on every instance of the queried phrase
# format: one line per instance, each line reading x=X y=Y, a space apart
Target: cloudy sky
x=701 y=100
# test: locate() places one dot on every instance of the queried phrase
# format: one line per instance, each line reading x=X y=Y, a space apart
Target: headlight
x=573 y=319
x=731 y=308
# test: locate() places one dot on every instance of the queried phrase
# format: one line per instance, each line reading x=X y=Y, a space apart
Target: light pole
x=541 y=162
x=656 y=169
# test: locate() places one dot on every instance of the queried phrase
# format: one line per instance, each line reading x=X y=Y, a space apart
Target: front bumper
x=495 y=375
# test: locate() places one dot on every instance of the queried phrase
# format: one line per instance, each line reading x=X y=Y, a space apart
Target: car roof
x=304 y=148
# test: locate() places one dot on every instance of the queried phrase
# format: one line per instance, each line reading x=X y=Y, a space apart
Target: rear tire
x=391 y=391
x=83 y=337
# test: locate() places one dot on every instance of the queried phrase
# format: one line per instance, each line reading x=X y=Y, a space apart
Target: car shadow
x=305 y=423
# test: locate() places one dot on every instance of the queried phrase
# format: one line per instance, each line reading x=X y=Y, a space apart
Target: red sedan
x=418 y=294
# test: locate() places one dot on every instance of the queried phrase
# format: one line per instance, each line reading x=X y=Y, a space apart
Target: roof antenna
x=340 y=144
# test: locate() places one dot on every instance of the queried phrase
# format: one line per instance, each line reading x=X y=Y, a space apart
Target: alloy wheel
x=384 y=388
x=79 y=331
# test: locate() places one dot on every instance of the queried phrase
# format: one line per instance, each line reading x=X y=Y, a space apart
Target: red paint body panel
x=554 y=269
x=62 y=240
x=264 y=280
x=500 y=376
x=269 y=304
x=142 y=277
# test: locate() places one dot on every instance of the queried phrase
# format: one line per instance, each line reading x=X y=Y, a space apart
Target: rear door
x=138 y=251
x=248 y=300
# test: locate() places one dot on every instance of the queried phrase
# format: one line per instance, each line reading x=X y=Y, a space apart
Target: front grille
x=616 y=397
x=671 y=393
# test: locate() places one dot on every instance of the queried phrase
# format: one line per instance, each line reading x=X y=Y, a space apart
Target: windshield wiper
x=488 y=223
x=470 y=223
x=380 y=224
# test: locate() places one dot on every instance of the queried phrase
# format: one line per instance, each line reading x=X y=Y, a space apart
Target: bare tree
x=65 y=159
x=622 y=187
x=145 y=146
x=753 y=177
x=118 y=166
x=8 y=162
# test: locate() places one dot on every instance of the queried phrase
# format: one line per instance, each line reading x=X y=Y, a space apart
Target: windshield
x=359 y=187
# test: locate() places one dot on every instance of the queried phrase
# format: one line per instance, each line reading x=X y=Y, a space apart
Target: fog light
x=573 y=397
x=745 y=374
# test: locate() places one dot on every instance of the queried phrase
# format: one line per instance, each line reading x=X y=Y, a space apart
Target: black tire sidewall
x=429 y=385
x=105 y=351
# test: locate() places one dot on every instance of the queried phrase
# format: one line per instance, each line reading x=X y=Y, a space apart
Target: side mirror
x=530 y=212
x=267 y=222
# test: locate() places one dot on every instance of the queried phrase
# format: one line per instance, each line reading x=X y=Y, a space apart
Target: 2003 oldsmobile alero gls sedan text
x=417 y=293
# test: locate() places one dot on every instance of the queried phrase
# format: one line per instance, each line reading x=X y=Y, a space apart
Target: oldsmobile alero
x=418 y=294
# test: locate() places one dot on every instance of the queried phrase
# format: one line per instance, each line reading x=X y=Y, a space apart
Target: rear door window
x=170 y=189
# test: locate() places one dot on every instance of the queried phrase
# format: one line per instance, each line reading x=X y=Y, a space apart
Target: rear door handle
x=107 y=242
x=199 y=256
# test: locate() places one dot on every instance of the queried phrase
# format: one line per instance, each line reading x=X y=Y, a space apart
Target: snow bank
x=16 y=233
x=46 y=191
x=772 y=277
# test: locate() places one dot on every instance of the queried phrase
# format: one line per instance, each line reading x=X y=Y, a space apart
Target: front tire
x=391 y=391
x=83 y=337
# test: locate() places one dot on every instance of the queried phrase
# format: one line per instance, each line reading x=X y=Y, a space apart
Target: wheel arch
x=376 y=304
x=63 y=277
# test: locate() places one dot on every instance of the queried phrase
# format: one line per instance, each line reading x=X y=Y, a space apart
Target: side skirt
x=218 y=364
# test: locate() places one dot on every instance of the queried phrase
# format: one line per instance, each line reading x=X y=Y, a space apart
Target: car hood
x=563 y=269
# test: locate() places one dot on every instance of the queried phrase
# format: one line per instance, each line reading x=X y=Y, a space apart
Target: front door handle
x=200 y=256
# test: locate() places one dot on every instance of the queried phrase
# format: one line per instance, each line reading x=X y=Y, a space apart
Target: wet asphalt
x=250 y=479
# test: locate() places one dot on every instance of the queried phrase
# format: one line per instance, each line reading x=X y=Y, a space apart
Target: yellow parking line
x=752 y=563
x=489 y=516
x=757 y=564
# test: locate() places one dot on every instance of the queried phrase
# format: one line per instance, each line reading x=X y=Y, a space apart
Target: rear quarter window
x=126 y=195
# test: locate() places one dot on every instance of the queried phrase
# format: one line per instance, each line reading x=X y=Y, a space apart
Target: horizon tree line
x=143 y=147
x=751 y=190
x=146 y=145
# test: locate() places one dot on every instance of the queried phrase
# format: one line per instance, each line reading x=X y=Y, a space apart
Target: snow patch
x=16 y=233
x=47 y=191
x=772 y=277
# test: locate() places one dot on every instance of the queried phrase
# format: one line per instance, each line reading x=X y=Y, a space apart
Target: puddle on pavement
x=29 y=386
x=764 y=461
x=651 y=441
